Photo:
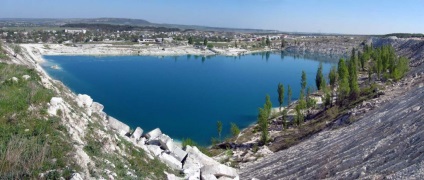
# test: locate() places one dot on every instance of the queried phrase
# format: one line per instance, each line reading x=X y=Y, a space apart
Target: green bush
x=235 y=131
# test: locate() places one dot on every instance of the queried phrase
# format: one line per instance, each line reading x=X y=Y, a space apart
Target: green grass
x=30 y=142
x=3 y=56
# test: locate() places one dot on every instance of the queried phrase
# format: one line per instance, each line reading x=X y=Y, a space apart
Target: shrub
x=235 y=131
x=189 y=142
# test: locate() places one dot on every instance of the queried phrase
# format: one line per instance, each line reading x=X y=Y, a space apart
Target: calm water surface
x=186 y=95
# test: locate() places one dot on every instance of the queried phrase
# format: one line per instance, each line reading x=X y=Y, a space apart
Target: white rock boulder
x=191 y=168
x=219 y=171
x=76 y=176
x=166 y=142
x=153 y=134
x=84 y=100
x=119 y=126
x=171 y=161
x=208 y=177
x=54 y=105
x=137 y=133
x=179 y=154
x=14 y=79
x=26 y=77
x=56 y=101
x=194 y=153
x=156 y=150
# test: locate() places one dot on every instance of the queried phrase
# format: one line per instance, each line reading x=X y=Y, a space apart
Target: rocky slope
x=336 y=46
x=385 y=142
x=412 y=48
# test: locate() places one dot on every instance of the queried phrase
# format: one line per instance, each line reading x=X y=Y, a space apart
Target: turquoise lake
x=186 y=95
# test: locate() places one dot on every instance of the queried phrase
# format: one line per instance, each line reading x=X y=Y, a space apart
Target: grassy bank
x=30 y=141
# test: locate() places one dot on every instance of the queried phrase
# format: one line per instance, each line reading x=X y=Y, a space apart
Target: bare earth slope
x=389 y=143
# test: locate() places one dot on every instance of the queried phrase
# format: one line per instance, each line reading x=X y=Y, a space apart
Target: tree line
x=380 y=63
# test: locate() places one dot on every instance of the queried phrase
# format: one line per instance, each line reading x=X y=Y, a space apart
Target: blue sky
x=326 y=16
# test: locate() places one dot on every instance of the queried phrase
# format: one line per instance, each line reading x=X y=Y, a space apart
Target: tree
x=235 y=131
x=378 y=66
x=303 y=81
x=283 y=43
x=289 y=94
x=324 y=85
x=301 y=101
x=284 y=117
x=280 y=91
x=210 y=46
x=219 y=128
x=363 y=57
x=401 y=67
x=353 y=78
x=268 y=42
x=327 y=100
x=333 y=77
x=205 y=42
x=235 y=44
x=343 y=90
x=190 y=40
x=319 y=77
x=310 y=102
x=299 y=116
x=263 y=124
x=268 y=105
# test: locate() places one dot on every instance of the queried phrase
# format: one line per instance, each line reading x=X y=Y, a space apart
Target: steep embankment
x=386 y=143
x=337 y=46
x=412 y=48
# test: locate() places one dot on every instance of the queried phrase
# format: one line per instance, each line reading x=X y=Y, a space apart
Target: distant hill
x=114 y=21
x=35 y=22
x=405 y=35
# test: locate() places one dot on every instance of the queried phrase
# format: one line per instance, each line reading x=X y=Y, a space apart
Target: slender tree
x=263 y=124
x=190 y=40
x=319 y=77
x=303 y=81
x=280 y=91
x=324 y=85
x=205 y=42
x=235 y=131
x=268 y=105
x=289 y=94
x=301 y=101
x=343 y=90
x=353 y=77
x=284 y=117
x=333 y=77
x=283 y=43
x=219 y=128
x=299 y=115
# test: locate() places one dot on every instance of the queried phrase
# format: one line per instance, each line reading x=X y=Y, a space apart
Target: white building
x=144 y=41
x=74 y=31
